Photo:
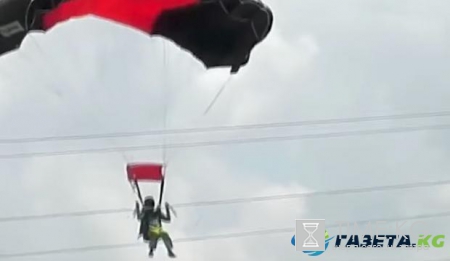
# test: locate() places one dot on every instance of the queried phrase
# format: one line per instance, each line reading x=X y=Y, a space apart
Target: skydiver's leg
x=168 y=243
x=151 y=246
x=153 y=243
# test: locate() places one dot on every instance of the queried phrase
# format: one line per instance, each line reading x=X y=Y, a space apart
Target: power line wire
x=203 y=238
x=394 y=219
x=130 y=245
x=227 y=142
x=227 y=128
x=237 y=200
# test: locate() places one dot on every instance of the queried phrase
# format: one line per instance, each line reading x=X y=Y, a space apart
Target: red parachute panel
x=140 y=14
x=145 y=172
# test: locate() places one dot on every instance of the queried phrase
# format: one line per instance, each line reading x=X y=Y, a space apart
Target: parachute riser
x=161 y=192
x=161 y=189
x=135 y=186
x=137 y=190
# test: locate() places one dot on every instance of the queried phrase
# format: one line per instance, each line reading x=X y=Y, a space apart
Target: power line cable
x=228 y=142
x=227 y=128
x=130 y=245
x=394 y=219
x=203 y=238
x=237 y=200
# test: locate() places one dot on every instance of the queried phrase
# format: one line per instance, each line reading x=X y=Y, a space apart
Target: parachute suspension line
x=27 y=13
x=124 y=156
x=36 y=43
x=218 y=94
x=165 y=103
x=138 y=191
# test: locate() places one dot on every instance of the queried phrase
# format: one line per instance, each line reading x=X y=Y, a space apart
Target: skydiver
x=151 y=226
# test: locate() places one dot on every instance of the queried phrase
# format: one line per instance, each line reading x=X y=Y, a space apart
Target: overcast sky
x=323 y=59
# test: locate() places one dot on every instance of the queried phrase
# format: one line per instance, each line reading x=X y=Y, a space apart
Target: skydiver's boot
x=171 y=253
x=152 y=249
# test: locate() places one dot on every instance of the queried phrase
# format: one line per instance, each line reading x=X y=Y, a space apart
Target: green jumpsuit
x=151 y=228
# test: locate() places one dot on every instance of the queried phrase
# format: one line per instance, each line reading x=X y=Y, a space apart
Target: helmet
x=149 y=201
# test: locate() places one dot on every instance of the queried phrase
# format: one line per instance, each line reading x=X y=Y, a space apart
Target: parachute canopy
x=217 y=32
x=145 y=172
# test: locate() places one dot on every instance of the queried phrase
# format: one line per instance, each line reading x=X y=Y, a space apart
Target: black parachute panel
x=218 y=32
x=17 y=17
x=12 y=23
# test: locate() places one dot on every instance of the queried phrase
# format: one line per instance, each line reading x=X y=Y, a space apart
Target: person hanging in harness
x=151 y=226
